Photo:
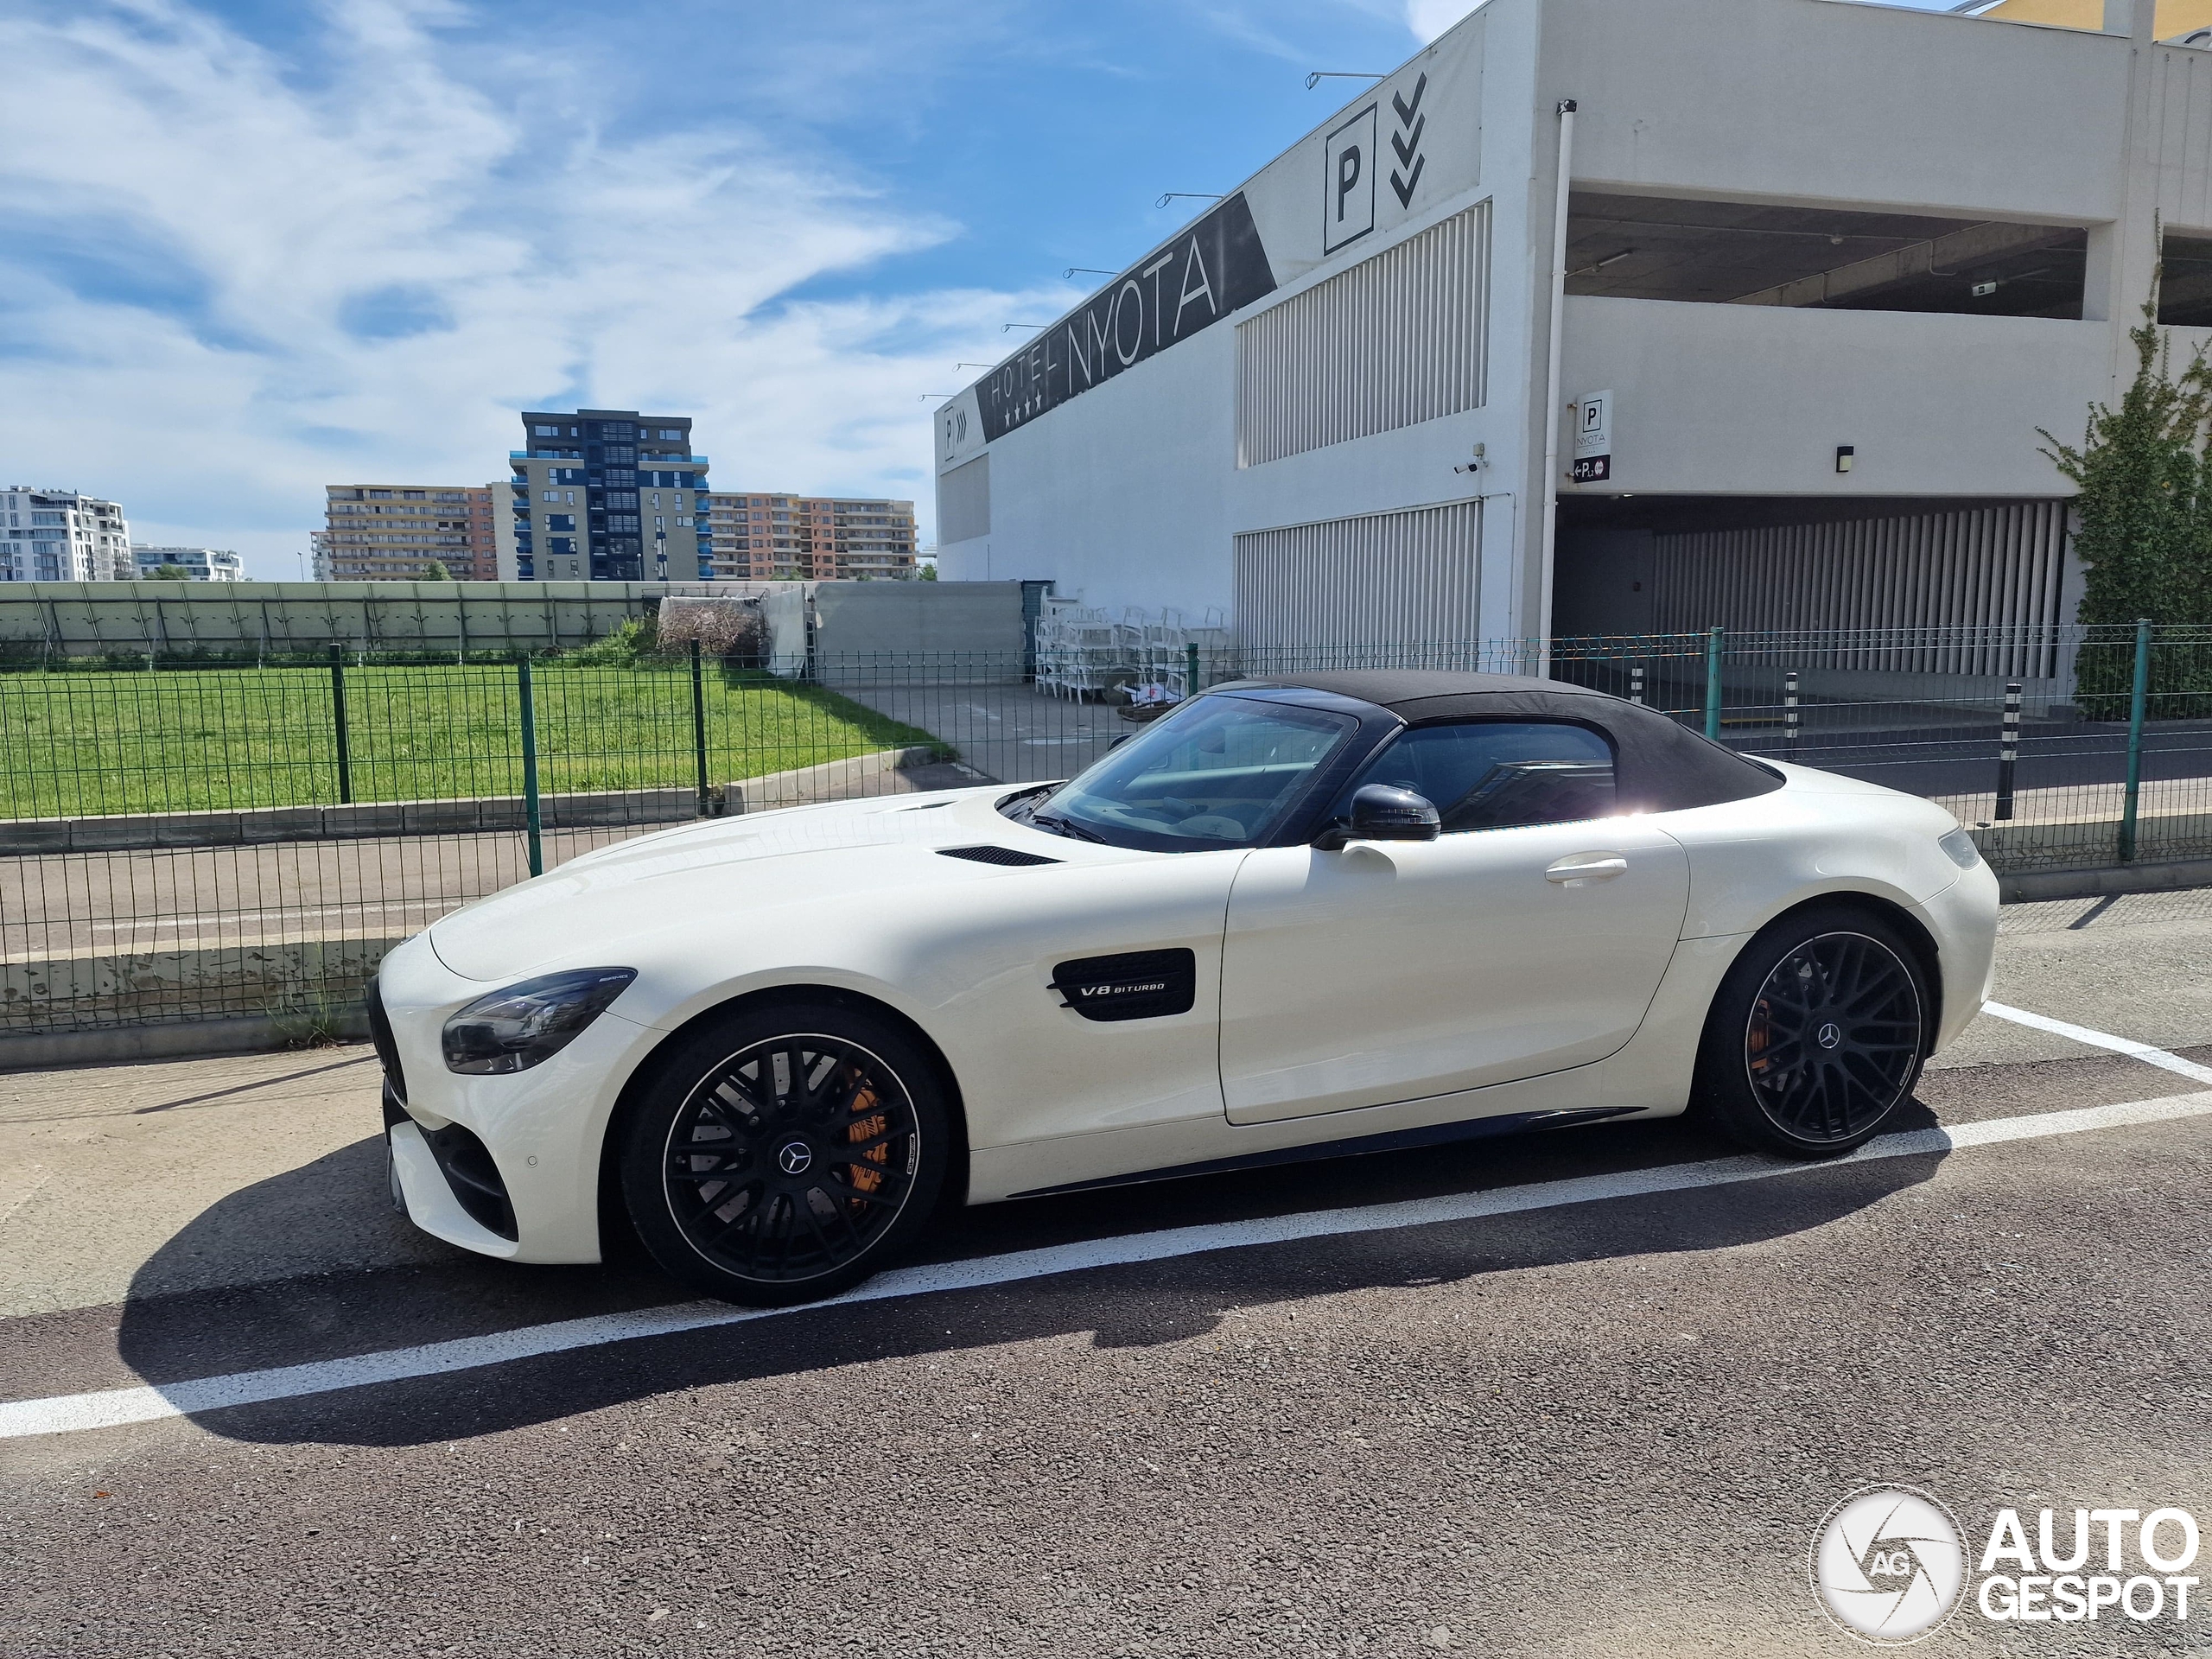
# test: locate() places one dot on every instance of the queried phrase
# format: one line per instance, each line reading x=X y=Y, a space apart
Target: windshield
x=1219 y=771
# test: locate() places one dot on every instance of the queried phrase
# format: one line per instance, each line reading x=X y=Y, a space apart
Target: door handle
x=1578 y=867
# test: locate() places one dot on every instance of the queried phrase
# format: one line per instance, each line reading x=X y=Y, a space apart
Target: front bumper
x=1963 y=920
x=506 y=1165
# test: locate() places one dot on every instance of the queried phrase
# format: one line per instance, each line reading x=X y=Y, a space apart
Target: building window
x=560 y=521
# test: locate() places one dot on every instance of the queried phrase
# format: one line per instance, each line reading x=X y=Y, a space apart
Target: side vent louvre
x=1135 y=985
x=995 y=855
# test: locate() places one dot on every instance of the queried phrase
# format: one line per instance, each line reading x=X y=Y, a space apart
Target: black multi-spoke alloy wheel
x=1817 y=1034
x=785 y=1153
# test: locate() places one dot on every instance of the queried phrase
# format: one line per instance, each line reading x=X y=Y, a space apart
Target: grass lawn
x=85 y=743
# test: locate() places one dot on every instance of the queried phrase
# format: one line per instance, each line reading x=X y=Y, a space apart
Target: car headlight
x=1959 y=848
x=517 y=1028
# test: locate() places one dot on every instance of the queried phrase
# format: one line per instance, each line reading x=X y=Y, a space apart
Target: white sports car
x=1298 y=918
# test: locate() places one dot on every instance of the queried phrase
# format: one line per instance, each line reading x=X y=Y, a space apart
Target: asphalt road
x=1608 y=1427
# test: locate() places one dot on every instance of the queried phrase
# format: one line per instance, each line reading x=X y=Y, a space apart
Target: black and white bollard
x=1635 y=683
x=1789 y=711
x=2008 y=749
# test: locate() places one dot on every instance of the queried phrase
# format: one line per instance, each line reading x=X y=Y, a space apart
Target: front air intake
x=995 y=855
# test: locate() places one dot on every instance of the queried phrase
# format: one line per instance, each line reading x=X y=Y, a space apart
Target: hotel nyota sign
x=1212 y=268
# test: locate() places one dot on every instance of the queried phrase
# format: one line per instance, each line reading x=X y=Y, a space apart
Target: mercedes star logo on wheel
x=1829 y=1034
x=793 y=1156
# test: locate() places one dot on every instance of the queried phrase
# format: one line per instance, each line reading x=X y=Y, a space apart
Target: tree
x=2145 y=516
x=170 y=573
x=435 y=571
x=928 y=572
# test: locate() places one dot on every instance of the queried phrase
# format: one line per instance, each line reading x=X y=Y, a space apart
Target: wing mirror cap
x=1383 y=812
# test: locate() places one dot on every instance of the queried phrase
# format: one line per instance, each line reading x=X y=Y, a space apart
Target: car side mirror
x=1383 y=812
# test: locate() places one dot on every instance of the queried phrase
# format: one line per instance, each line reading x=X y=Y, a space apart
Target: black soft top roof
x=1660 y=766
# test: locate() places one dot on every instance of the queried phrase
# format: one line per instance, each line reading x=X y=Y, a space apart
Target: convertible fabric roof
x=1660 y=766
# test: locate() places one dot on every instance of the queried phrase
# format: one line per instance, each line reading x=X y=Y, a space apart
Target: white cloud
x=241 y=278
x=1430 y=18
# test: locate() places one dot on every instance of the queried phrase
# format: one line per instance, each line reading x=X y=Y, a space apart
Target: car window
x=1219 y=771
x=1493 y=774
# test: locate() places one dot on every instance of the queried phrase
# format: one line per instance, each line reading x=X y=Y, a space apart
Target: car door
x=1528 y=937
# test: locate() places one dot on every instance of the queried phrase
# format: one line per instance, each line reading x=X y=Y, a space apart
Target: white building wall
x=1129 y=495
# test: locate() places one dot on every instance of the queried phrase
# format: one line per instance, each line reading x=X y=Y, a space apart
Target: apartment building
x=60 y=536
x=604 y=495
x=768 y=537
x=390 y=532
x=198 y=563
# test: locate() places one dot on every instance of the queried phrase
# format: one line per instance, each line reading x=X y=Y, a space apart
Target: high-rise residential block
x=605 y=495
x=60 y=536
x=393 y=532
x=764 y=537
x=197 y=563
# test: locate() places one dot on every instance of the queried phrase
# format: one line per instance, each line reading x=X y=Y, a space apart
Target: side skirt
x=1436 y=1134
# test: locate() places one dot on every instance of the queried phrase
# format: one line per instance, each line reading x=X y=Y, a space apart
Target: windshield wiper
x=1060 y=826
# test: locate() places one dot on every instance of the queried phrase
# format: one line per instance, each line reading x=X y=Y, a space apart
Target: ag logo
x=1889 y=1564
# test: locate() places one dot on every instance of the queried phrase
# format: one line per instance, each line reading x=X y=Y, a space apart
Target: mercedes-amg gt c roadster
x=1299 y=917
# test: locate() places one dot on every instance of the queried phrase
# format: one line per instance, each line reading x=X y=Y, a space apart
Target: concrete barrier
x=147 y=1004
x=21 y=838
x=886 y=772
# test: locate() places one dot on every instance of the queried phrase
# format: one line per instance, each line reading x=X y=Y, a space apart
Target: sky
x=249 y=248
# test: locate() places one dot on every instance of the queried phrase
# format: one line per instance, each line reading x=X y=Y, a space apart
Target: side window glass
x=1495 y=774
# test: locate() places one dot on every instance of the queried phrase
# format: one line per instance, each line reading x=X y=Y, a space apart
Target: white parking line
x=110 y=1408
x=2126 y=1046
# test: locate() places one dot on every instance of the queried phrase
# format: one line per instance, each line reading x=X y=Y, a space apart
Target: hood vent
x=995 y=855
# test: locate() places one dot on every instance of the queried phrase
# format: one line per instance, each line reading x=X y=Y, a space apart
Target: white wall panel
x=1394 y=340
x=1387 y=578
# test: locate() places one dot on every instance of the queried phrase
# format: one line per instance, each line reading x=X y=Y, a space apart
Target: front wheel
x=785 y=1153
x=1816 y=1035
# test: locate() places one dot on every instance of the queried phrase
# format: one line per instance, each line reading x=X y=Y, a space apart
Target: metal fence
x=189 y=840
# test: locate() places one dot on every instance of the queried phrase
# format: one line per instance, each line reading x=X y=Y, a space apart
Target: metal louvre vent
x=995 y=855
x=1388 y=576
x=1396 y=340
x=1988 y=576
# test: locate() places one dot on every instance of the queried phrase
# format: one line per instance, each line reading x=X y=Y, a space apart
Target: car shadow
x=166 y=1337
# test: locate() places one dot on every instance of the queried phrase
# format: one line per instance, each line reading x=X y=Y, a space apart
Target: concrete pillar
x=2123 y=257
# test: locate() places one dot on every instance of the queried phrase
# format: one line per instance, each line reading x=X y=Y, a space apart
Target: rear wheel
x=1817 y=1036
x=785 y=1153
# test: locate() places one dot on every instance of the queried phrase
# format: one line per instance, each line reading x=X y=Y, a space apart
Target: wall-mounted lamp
x=1321 y=75
x=1188 y=195
x=1844 y=453
x=1034 y=328
x=1086 y=270
x=975 y=366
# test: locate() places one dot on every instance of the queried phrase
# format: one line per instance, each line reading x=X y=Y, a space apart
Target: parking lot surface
x=1604 y=1418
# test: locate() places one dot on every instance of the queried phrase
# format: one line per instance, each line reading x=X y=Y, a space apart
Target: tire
x=1817 y=1036
x=749 y=1188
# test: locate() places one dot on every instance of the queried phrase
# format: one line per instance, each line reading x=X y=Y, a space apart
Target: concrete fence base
x=886 y=772
x=258 y=826
x=73 y=1009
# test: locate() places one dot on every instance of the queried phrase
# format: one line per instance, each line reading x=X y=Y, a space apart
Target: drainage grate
x=995 y=855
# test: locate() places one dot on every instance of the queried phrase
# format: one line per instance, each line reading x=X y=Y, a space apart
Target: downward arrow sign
x=1405 y=109
x=1411 y=142
x=1404 y=186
